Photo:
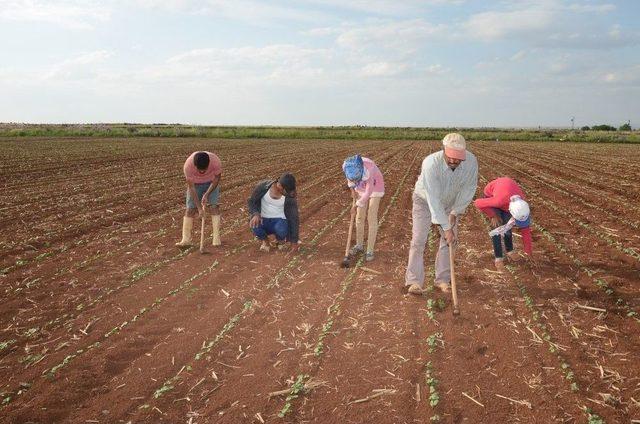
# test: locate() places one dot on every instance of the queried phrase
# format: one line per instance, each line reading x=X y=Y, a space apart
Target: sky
x=458 y=63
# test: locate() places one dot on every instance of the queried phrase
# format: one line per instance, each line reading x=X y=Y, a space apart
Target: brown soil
x=103 y=320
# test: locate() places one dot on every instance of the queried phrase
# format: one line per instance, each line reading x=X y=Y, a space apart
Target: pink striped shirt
x=192 y=174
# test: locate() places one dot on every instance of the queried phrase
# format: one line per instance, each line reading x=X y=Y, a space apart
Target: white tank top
x=272 y=208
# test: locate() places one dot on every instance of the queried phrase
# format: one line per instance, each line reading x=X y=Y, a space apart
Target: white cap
x=518 y=208
x=455 y=146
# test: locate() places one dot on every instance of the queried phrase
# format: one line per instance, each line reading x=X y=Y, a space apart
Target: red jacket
x=497 y=196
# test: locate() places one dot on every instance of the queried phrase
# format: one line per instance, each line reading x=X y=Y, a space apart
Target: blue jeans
x=201 y=189
x=508 y=236
x=277 y=226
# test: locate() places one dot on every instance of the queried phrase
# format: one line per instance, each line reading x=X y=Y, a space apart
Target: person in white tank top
x=274 y=211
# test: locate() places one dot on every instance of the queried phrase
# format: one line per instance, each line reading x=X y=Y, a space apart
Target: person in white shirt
x=444 y=189
x=273 y=210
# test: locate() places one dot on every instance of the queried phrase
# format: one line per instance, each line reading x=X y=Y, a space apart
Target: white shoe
x=415 y=289
x=442 y=285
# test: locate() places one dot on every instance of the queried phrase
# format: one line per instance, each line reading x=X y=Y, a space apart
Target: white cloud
x=549 y=24
x=65 y=13
x=402 y=37
x=491 y=26
x=591 y=8
x=278 y=64
x=518 y=56
x=384 y=7
x=383 y=69
x=626 y=76
x=77 y=68
x=437 y=69
x=254 y=12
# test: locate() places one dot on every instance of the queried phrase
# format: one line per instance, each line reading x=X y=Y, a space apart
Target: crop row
x=544 y=329
x=68 y=318
x=334 y=309
x=118 y=328
x=553 y=185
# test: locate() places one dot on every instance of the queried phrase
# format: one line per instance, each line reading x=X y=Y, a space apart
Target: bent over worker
x=444 y=189
x=202 y=171
x=367 y=189
x=505 y=205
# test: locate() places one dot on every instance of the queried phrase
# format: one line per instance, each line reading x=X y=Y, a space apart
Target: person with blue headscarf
x=367 y=189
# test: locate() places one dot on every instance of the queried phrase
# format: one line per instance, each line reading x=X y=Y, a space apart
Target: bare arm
x=192 y=192
x=212 y=186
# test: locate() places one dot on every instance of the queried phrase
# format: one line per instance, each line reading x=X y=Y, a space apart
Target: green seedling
x=296 y=389
x=6 y=344
x=166 y=387
x=433 y=340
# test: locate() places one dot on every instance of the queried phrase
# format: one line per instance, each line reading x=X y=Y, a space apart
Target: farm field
x=103 y=320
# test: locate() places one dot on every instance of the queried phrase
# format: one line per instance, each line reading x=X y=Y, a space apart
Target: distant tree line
x=604 y=127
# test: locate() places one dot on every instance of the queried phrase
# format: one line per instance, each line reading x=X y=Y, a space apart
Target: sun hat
x=455 y=146
x=519 y=210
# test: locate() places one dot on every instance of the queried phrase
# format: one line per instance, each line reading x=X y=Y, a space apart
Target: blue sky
x=321 y=62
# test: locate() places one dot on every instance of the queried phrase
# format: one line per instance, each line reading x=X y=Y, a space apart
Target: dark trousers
x=508 y=236
x=277 y=226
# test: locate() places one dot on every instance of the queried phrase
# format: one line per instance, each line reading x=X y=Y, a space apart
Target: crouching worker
x=203 y=171
x=367 y=189
x=505 y=206
x=274 y=211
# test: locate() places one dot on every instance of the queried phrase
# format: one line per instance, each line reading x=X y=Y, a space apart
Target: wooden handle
x=353 y=218
x=454 y=290
x=202 y=234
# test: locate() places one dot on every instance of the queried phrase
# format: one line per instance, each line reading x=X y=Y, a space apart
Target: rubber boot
x=215 y=222
x=187 y=226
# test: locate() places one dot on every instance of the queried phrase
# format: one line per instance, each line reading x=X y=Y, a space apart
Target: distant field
x=104 y=320
x=354 y=132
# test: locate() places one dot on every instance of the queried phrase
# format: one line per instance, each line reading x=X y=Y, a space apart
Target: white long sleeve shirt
x=447 y=191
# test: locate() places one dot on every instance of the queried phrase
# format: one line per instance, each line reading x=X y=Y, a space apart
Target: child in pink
x=502 y=197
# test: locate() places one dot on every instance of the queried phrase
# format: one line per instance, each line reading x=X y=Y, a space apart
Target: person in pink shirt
x=202 y=172
x=367 y=189
x=505 y=205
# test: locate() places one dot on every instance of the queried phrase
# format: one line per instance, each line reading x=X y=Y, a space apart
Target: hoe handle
x=454 y=289
x=202 y=234
x=353 y=218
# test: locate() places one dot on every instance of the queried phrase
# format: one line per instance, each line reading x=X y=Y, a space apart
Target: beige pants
x=369 y=211
x=420 y=234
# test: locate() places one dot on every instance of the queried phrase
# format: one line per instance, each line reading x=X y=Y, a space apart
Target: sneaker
x=442 y=285
x=499 y=265
x=356 y=249
x=368 y=257
x=415 y=289
x=183 y=243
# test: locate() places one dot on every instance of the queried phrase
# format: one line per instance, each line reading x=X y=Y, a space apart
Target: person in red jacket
x=505 y=205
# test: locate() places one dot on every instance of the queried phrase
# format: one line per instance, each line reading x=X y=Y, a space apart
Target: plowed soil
x=103 y=320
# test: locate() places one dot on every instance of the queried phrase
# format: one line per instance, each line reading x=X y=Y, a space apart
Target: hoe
x=346 y=262
x=454 y=289
x=202 y=249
